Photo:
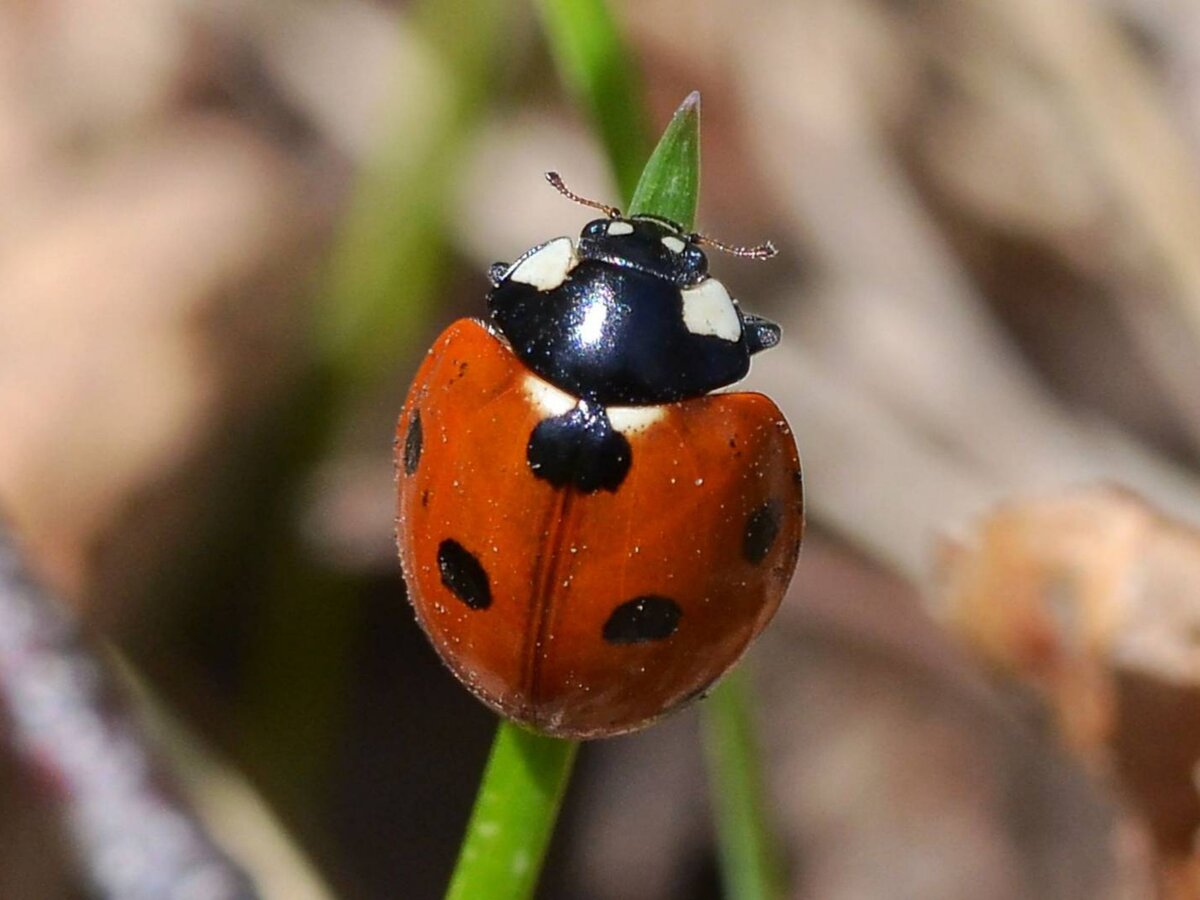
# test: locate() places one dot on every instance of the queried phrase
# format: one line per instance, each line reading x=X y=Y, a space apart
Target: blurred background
x=230 y=230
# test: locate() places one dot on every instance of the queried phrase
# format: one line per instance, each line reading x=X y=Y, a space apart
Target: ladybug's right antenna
x=555 y=179
x=762 y=251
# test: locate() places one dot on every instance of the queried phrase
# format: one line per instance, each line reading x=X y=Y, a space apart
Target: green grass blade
x=749 y=864
x=514 y=816
x=382 y=282
x=599 y=70
x=391 y=255
x=670 y=183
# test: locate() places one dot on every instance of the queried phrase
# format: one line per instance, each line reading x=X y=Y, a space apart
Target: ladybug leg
x=579 y=448
x=761 y=334
x=496 y=272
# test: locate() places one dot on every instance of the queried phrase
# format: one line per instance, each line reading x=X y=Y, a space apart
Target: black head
x=629 y=316
x=649 y=244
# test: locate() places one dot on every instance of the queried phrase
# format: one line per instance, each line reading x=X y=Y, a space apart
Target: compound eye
x=597 y=228
x=693 y=261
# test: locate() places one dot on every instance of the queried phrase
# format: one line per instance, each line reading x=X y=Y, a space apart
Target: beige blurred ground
x=989 y=213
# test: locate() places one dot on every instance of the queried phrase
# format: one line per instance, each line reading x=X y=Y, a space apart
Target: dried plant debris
x=1089 y=601
x=135 y=838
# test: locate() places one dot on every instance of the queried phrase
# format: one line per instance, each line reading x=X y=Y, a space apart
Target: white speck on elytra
x=631 y=420
x=548 y=399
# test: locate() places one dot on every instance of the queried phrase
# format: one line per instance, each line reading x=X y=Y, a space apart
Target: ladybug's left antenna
x=555 y=179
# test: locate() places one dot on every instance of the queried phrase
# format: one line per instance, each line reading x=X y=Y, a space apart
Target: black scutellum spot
x=413 y=441
x=579 y=448
x=761 y=530
x=463 y=575
x=647 y=618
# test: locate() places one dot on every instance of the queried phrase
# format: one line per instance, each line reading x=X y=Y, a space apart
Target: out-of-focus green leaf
x=600 y=71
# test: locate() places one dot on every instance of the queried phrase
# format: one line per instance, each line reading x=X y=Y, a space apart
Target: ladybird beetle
x=589 y=535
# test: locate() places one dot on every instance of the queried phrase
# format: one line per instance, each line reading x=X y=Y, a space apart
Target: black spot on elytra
x=425 y=497
x=761 y=530
x=579 y=448
x=648 y=618
x=463 y=575
x=413 y=441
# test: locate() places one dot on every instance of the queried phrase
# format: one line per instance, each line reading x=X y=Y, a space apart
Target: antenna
x=556 y=180
x=762 y=251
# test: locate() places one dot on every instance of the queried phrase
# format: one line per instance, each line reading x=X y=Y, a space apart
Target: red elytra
x=584 y=615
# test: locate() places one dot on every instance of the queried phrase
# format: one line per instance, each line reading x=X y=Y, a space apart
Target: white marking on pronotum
x=618 y=228
x=707 y=309
x=674 y=244
x=634 y=419
x=549 y=400
x=548 y=267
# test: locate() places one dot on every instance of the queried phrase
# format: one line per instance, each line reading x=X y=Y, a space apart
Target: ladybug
x=589 y=535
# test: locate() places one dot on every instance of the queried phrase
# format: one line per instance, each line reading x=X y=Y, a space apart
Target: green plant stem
x=749 y=864
x=601 y=73
x=390 y=256
x=383 y=277
x=514 y=816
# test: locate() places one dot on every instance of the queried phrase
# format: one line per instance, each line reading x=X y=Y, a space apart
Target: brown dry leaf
x=101 y=376
x=1091 y=601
